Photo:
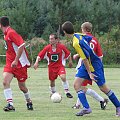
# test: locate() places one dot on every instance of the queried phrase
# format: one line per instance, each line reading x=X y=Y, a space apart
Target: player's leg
x=77 y=104
x=21 y=75
x=84 y=84
x=62 y=74
x=7 y=78
x=65 y=85
x=26 y=93
x=52 y=87
x=82 y=97
x=113 y=98
x=52 y=77
x=95 y=95
x=103 y=87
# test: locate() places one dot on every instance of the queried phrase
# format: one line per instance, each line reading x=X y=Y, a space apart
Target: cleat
x=103 y=104
x=29 y=106
x=84 y=111
x=118 y=111
x=9 y=108
x=76 y=106
x=69 y=95
x=52 y=93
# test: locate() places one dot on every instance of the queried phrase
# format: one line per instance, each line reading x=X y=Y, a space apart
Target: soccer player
x=16 y=64
x=56 y=55
x=90 y=69
x=86 y=28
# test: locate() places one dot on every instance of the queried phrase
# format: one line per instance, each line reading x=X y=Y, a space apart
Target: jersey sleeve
x=99 y=50
x=16 y=38
x=78 y=48
x=42 y=53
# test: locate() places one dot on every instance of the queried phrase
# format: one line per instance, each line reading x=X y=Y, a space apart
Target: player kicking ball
x=56 y=54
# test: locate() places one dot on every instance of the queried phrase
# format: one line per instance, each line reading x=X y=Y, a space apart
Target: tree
x=22 y=15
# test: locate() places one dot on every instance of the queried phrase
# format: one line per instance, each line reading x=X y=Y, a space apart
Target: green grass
x=44 y=109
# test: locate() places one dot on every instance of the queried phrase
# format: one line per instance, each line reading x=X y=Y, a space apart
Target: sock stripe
x=9 y=100
x=81 y=91
x=110 y=93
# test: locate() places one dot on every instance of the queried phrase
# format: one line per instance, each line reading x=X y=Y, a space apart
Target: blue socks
x=82 y=98
x=110 y=94
x=113 y=98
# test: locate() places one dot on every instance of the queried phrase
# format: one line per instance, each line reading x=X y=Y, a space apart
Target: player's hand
x=92 y=76
x=70 y=64
x=14 y=64
x=35 y=66
x=75 y=57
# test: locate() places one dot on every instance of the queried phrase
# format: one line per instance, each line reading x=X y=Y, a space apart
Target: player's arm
x=38 y=59
x=18 y=41
x=68 y=56
x=40 y=56
x=70 y=61
x=99 y=52
x=76 y=56
x=18 y=54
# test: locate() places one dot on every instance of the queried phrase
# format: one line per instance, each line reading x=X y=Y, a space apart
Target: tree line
x=39 y=18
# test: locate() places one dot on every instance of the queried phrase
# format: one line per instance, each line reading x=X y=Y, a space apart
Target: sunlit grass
x=44 y=109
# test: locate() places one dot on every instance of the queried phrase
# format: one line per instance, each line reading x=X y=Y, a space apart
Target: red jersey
x=55 y=57
x=13 y=41
x=94 y=44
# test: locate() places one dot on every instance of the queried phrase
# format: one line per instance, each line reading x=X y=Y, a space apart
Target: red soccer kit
x=94 y=44
x=13 y=41
x=56 y=59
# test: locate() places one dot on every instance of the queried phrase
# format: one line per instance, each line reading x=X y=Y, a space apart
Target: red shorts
x=19 y=73
x=86 y=82
x=54 y=72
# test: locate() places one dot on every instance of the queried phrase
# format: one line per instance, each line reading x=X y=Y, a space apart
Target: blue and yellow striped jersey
x=81 y=45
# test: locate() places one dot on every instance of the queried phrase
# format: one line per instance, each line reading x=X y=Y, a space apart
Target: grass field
x=44 y=109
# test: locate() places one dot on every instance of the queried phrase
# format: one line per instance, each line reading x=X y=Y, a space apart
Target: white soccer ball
x=56 y=98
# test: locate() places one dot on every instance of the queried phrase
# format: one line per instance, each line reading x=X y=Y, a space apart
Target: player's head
x=4 y=21
x=68 y=28
x=53 y=38
x=86 y=27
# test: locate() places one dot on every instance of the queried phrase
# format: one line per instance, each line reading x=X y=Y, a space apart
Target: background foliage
x=39 y=18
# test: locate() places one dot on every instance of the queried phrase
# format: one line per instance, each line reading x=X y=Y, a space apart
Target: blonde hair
x=87 y=26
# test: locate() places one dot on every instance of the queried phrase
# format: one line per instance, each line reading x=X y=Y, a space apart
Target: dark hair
x=68 y=27
x=55 y=35
x=4 y=21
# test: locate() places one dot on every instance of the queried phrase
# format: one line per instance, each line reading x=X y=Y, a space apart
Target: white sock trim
x=95 y=95
x=8 y=95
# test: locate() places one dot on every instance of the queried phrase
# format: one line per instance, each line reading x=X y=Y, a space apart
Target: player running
x=90 y=69
x=86 y=28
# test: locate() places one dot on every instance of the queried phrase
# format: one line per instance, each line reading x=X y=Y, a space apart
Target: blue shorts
x=82 y=73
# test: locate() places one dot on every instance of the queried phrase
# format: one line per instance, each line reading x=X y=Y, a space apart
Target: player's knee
x=104 y=89
x=23 y=89
x=76 y=87
x=64 y=79
x=6 y=83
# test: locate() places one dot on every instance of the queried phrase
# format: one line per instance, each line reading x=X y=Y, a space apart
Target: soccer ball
x=56 y=98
